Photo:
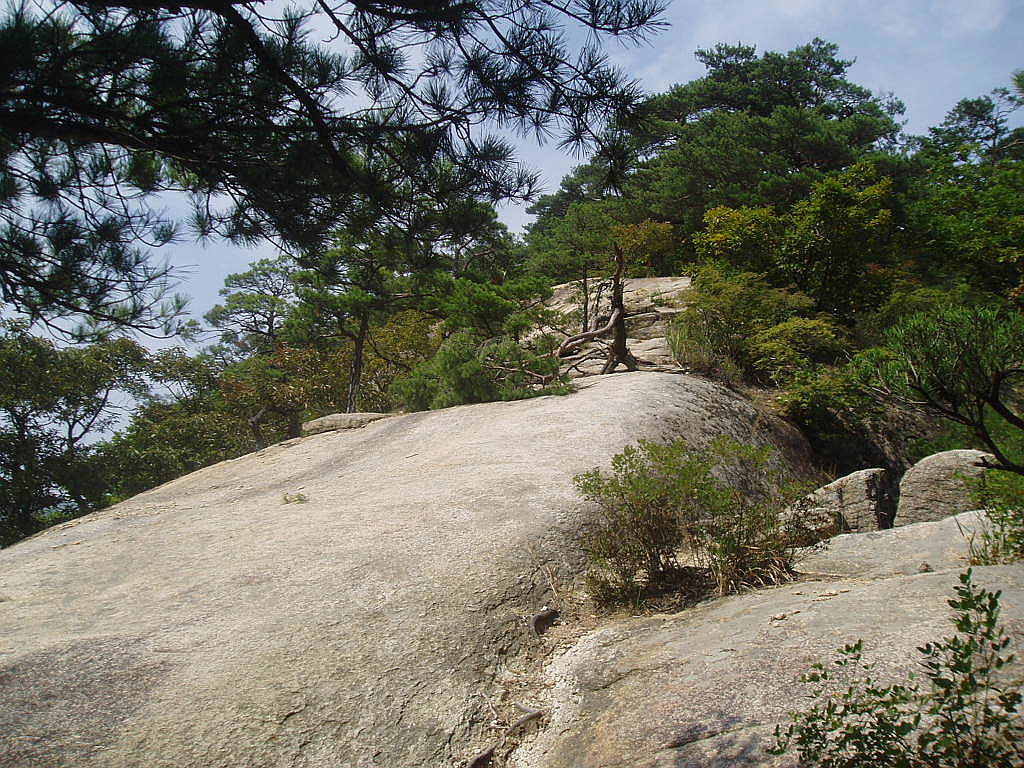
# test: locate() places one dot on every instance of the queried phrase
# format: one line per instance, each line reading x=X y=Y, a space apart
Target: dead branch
x=581 y=338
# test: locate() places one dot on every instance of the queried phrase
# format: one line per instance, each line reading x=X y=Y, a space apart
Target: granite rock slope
x=343 y=599
x=707 y=686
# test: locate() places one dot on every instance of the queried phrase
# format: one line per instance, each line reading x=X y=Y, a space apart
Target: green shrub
x=797 y=345
x=466 y=370
x=722 y=506
x=700 y=342
x=908 y=300
x=745 y=237
x=967 y=716
x=724 y=311
x=839 y=419
x=1001 y=539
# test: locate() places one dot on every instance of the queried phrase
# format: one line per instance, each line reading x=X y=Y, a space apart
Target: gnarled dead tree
x=617 y=351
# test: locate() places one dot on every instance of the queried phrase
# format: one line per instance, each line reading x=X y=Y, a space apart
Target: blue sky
x=929 y=53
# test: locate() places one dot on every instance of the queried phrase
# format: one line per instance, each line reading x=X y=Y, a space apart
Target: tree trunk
x=586 y=304
x=357 y=364
x=255 y=423
x=618 y=352
x=294 y=424
x=596 y=313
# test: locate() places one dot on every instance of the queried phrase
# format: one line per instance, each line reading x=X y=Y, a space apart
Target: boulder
x=861 y=501
x=651 y=325
x=208 y=623
x=706 y=687
x=934 y=487
x=341 y=421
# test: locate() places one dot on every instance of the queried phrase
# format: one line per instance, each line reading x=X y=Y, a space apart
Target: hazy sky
x=929 y=53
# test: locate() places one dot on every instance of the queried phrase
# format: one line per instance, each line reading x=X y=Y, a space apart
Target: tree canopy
x=271 y=132
x=52 y=403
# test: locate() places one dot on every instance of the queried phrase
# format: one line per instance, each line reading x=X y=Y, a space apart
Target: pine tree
x=271 y=133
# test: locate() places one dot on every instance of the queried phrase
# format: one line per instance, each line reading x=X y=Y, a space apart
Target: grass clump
x=671 y=517
x=966 y=715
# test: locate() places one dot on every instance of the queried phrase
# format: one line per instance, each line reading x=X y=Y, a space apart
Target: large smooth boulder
x=934 y=487
x=706 y=687
x=208 y=623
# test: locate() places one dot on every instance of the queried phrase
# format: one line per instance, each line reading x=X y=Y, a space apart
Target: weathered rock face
x=904 y=551
x=861 y=501
x=707 y=686
x=208 y=623
x=934 y=487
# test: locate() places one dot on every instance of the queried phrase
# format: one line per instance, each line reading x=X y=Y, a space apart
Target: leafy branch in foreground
x=961 y=363
x=967 y=717
x=269 y=132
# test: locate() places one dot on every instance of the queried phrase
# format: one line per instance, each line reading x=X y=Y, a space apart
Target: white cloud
x=961 y=18
x=802 y=9
x=936 y=18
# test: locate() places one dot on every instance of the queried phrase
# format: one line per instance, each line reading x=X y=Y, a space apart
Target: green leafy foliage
x=755 y=131
x=407 y=339
x=270 y=132
x=910 y=298
x=960 y=363
x=290 y=383
x=838 y=239
x=488 y=309
x=1000 y=538
x=464 y=370
x=724 y=312
x=744 y=238
x=795 y=346
x=974 y=218
x=663 y=500
x=574 y=245
x=182 y=424
x=967 y=716
x=256 y=305
x=841 y=421
x=648 y=247
x=834 y=244
x=52 y=402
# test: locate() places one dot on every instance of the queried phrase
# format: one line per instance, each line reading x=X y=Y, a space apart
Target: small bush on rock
x=967 y=716
x=1001 y=539
x=720 y=507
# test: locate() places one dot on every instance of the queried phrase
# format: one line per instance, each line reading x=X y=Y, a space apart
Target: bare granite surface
x=208 y=622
